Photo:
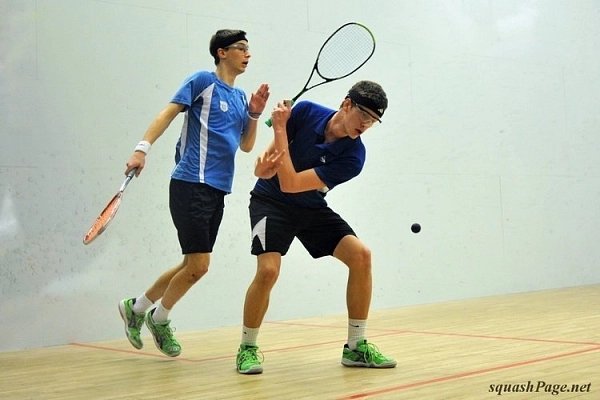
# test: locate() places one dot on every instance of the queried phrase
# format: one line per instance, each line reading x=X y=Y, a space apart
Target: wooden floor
x=538 y=342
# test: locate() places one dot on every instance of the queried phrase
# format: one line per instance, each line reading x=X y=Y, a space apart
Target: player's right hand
x=137 y=160
x=281 y=113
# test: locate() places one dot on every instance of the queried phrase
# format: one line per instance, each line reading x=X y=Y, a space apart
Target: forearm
x=160 y=124
x=280 y=138
x=286 y=172
x=156 y=128
x=290 y=180
x=249 y=137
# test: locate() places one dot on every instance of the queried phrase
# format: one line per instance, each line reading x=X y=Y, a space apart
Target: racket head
x=345 y=51
x=103 y=219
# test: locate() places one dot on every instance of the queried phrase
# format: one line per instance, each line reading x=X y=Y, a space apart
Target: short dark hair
x=369 y=94
x=223 y=38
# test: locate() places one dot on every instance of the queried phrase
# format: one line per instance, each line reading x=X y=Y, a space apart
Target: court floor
x=537 y=345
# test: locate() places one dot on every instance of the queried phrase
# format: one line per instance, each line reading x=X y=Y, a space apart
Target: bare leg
x=255 y=308
x=352 y=252
x=257 y=296
x=172 y=285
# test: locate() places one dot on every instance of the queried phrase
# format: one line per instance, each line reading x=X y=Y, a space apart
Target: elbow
x=246 y=147
x=287 y=187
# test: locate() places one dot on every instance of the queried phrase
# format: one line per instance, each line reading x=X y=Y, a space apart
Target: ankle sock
x=141 y=304
x=249 y=336
x=160 y=314
x=356 y=331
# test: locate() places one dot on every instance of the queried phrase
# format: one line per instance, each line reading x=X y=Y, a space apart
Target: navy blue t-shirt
x=334 y=163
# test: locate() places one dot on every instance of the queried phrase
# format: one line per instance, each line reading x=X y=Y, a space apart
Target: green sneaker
x=248 y=361
x=366 y=355
x=133 y=322
x=163 y=336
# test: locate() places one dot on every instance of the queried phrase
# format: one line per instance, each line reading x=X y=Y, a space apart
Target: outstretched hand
x=258 y=99
x=268 y=163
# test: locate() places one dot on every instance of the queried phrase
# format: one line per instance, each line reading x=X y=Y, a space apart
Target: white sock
x=249 y=336
x=160 y=314
x=142 y=303
x=356 y=331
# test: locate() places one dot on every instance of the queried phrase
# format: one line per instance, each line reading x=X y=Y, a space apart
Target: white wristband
x=143 y=146
x=254 y=116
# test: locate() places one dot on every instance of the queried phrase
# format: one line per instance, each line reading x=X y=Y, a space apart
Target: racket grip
x=130 y=176
x=287 y=103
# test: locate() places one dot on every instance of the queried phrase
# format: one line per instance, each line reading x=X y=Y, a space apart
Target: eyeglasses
x=239 y=46
x=366 y=118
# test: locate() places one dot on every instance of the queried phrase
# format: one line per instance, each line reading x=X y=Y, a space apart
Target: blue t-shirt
x=334 y=163
x=215 y=119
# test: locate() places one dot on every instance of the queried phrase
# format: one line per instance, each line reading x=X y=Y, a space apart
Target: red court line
x=232 y=355
x=403 y=331
x=521 y=339
x=145 y=354
x=320 y=343
x=382 y=332
x=460 y=375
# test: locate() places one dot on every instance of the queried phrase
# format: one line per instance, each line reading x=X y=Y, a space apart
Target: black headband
x=372 y=105
x=222 y=43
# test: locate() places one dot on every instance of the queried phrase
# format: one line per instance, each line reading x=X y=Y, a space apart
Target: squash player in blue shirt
x=218 y=120
x=314 y=150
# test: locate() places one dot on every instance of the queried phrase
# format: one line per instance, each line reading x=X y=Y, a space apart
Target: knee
x=361 y=259
x=196 y=270
x=266 y=275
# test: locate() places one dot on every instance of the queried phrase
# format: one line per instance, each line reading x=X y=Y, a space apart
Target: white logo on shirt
x=224 y=106
x=322 y=159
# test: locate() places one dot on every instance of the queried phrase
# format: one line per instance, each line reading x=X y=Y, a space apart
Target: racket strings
x=103 y=219
x=346 y=51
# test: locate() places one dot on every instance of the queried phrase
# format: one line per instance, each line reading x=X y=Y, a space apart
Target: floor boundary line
x=436 y=333
x=460 y=375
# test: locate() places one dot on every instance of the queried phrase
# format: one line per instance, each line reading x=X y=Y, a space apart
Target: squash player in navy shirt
x=218 y=120
x=315 y=148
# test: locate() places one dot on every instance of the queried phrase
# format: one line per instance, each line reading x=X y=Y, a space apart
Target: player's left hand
x=267 y=164
x=258 y=99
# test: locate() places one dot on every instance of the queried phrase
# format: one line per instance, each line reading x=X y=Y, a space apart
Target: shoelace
x=250 y=355
x=371 y=352
x=165 y=330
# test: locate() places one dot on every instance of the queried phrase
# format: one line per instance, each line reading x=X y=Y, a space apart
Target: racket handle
x=288 y=103
x=130 y=175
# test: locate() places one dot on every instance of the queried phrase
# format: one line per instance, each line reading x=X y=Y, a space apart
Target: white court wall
x=490 y=143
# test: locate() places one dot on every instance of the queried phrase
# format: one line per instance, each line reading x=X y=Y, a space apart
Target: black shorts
x=276 y=224
x=197 y=211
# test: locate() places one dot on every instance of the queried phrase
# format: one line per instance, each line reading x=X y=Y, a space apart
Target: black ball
x=416 y=228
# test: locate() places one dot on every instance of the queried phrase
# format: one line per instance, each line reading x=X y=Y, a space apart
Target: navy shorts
x=276 y=224
x=197 y=211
